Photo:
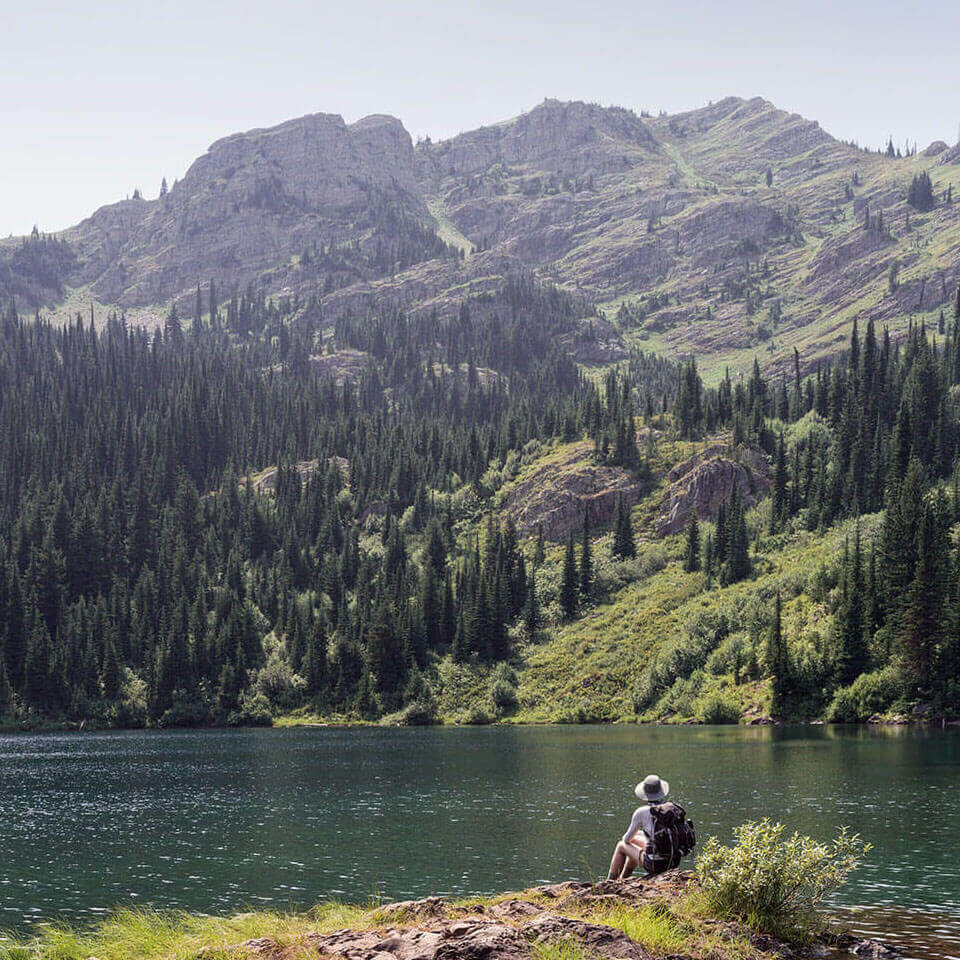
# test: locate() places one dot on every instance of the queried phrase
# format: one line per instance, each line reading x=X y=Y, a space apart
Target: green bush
x=254 y=711
x=869 y=694
x=717 y=707
x=420 y=713
x=776 y=885
x=503 y=691
x=478 y=717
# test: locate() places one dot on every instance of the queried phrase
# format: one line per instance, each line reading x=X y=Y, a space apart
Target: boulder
x=875 y=950
x=452 y=940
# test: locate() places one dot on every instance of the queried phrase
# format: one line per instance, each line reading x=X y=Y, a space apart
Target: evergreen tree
x=691 y=561
x=778 y=663
x=570 y=586
x=624 y=545
x=586 y=560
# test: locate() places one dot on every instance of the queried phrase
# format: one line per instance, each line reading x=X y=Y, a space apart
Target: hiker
x=659 y=834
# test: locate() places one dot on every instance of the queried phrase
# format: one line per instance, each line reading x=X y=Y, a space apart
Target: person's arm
x=635 y=825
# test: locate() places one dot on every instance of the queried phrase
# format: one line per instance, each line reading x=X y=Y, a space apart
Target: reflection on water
x=214 y=820
x=920 y=934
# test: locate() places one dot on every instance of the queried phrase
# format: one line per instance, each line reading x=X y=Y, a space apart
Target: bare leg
x=626 y=857
x=616 y=864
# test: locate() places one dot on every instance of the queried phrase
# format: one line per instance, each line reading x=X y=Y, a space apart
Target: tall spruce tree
x=691 y=562
x=570 y=584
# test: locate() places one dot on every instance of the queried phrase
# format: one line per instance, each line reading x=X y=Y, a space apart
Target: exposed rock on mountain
x=706 y=480
x=727 y=231
x=253 y=201
x=557 y=494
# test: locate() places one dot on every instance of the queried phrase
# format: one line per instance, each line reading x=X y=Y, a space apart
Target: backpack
x=674 y=836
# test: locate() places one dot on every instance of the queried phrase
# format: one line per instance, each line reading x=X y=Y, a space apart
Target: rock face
x=558 y=493
x=252 y=201
x=706 y=480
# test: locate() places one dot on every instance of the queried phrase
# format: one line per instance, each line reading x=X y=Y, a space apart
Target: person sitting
x=658 y=836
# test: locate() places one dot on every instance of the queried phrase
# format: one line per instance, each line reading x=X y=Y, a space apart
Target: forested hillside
x=259 y=514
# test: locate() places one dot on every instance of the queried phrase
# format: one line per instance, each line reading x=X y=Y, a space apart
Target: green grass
x=563 y=950
x=156 y=935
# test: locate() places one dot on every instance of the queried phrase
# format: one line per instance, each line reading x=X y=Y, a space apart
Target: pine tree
x=586 y=560
x=531 y=611
x=778 y=491
x=691 y=561
x=923 y=619
x=624 y=545
x=853 y=657
x=569 y=587
x=540 y=551
x=778 y=662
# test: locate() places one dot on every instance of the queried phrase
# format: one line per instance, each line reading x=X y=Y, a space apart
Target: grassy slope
x=590 y=669
x=817 y=320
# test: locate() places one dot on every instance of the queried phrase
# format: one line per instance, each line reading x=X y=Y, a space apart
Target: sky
x=99 y=97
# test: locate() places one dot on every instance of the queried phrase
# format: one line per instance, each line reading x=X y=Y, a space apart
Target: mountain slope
x=731 y=230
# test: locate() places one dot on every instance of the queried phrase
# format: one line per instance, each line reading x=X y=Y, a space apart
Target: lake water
x=218 y=820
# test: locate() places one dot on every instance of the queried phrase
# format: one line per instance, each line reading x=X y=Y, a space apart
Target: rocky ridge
x=725 y=231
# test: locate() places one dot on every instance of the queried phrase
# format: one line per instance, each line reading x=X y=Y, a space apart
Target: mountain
x=411 y=463
x=726 y=231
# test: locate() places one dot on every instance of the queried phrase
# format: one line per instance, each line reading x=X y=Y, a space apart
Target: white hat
x=653 y=789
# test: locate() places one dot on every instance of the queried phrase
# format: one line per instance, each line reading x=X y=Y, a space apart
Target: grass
x=565 y=950
x=177 y=935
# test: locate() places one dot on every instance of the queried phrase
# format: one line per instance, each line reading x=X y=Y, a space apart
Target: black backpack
x=674 y=836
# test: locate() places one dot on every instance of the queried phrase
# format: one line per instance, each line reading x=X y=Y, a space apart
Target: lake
x=218 y=820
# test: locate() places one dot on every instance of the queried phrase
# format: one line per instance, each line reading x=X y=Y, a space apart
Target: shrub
x=254 y=711
x=420 y=713
x=776 y=885
x=869 y=694
x=717 y=707
x=503 y=697
x=478 y=717
x=185 y=711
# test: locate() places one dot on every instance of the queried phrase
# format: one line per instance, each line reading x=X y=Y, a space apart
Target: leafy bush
x=717 y=707
x=254 y=711
x=776 y=885
x=503 y=690
x=185 y=711
x=870 y=693
x=503 y=697
x=420 y=713
x=478 y=717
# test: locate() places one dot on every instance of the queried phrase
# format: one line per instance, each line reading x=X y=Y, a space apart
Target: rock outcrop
x=706 y=480
x=252 y=201
x=510 y=929
x=566 y=485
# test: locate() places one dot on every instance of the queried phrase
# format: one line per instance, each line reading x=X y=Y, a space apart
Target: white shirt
x=642 y=820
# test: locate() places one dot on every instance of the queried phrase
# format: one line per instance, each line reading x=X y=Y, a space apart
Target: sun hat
x=653 y=789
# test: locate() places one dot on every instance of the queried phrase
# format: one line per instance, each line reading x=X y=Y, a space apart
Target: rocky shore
x=638 y=919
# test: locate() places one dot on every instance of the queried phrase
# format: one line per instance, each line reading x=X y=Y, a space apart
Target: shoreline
x=286 y=722
x=636 y=919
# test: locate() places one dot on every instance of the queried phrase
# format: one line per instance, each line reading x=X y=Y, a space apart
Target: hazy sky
x=102 y=96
